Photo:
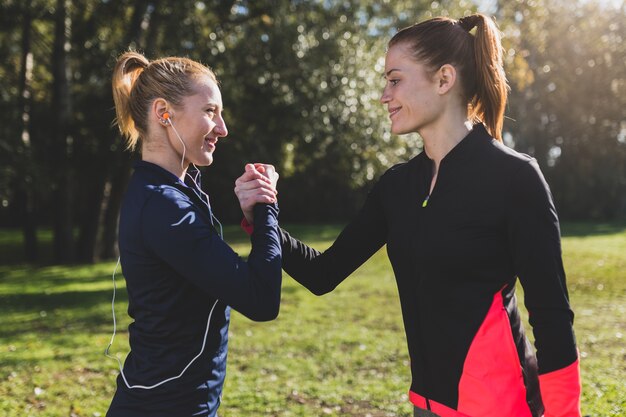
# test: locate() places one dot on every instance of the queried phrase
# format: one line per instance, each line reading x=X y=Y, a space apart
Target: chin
x=399 y=130
x=403 y=130
x=205 y=162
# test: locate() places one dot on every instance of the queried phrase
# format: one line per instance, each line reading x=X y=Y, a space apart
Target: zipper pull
x=425 y=202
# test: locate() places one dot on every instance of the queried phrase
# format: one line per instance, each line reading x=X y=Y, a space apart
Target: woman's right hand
x=256 y=185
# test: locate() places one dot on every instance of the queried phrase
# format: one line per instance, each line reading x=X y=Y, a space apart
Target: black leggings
x=420 y=412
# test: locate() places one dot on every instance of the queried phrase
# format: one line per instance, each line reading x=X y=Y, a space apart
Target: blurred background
x=301 y=82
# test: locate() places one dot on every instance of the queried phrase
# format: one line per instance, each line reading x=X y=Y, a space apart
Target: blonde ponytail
x=128 y=68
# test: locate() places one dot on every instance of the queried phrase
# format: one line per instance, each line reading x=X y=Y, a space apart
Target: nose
x=386 y=97
x=220 y=128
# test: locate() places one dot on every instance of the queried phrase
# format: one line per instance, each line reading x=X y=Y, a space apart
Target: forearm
x=264 y=265
x=306 y=265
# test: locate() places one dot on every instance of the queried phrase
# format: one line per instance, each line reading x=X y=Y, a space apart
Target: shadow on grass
x=12 y=250
x=583 y=229
x=87 y=311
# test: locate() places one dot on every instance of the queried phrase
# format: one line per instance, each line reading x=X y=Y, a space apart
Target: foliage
x=343 y=354
x=301 y=85
x=568 y=105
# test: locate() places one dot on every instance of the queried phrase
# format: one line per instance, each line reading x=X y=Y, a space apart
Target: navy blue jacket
x=176 y=266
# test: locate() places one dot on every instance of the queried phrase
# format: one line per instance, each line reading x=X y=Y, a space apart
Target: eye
x=210 y=112
x=394 y=82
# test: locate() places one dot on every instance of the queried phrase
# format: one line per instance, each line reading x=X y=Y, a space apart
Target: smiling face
x=411 y=93
x=198 y=121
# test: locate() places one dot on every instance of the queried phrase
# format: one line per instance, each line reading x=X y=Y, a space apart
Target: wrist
x=247 y=226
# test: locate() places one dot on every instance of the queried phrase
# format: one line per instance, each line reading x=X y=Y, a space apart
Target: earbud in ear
x=165 y=119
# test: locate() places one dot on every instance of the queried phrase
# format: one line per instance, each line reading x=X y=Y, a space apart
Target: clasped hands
x=256 y=185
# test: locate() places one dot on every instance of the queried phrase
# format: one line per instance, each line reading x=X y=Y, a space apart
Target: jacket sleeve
x=321 y=272
x=183 y=238
x=534 y=235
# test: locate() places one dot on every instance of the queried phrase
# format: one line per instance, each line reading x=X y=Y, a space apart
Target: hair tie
x=468 y=22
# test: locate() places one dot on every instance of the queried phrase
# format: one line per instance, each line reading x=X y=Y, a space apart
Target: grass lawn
x=343 y=354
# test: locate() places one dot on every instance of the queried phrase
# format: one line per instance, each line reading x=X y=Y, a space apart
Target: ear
x=446 y=76
x=159 y=106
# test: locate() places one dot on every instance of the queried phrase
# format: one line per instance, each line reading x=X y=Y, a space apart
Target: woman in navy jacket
x=462 y=221
x=182 y=278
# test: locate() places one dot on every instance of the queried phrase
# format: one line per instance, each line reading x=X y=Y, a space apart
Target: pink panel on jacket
x=435 y=407
x=492 y=384
x=560 y=391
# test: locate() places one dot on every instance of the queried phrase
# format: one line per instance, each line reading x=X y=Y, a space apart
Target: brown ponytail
x=477 y=58
x=137 y=82
x=491 y=87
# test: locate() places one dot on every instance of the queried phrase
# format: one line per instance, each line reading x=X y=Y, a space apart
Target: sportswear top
x=177 y=267
x=456 y=255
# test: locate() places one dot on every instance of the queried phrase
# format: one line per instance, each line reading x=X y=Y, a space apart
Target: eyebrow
x=389 y=72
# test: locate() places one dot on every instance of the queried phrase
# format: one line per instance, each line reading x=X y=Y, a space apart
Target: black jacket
x=489 y=220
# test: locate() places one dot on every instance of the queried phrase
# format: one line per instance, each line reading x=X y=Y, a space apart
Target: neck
x=166 y=160
x=440 y=140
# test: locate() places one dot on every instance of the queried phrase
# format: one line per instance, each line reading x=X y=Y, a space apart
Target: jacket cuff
x=247 y=227
x=560 y=391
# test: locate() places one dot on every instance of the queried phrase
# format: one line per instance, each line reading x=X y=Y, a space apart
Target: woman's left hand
x=256 y=185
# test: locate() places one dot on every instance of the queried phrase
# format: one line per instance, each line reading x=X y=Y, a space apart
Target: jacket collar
x=157 y=173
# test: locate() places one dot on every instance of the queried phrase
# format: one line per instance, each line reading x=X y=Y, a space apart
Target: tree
x=567 y=106
x=301 y=82
x=62 y=140
x=25 y=193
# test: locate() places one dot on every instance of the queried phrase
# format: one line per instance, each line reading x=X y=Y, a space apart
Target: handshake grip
x=266 y=170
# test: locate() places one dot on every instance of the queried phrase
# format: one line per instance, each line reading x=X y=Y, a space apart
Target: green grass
x=343 y=354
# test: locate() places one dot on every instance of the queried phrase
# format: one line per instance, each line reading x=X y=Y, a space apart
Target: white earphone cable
x=107 y=354
x=182 y=159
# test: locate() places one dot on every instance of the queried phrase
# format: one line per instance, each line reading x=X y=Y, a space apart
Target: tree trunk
x=112 y=204
x=25 y=194
x=122 y=161
x=88 y=235
x=61 y=110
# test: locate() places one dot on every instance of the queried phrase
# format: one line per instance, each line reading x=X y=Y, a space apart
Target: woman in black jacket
x=462 y=221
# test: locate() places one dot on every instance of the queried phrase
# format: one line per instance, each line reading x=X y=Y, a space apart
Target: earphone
x=166 y=119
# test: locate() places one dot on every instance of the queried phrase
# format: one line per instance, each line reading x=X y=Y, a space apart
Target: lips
x=393 y=111
x=210 y=143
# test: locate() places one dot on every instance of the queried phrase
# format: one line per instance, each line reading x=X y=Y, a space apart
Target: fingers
x=253 y=185
x=261 y=198
x=243 y=194
x=256 y=172
x=268 y=171
x=252 y=175
x=257 y=185
x=248 y=198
